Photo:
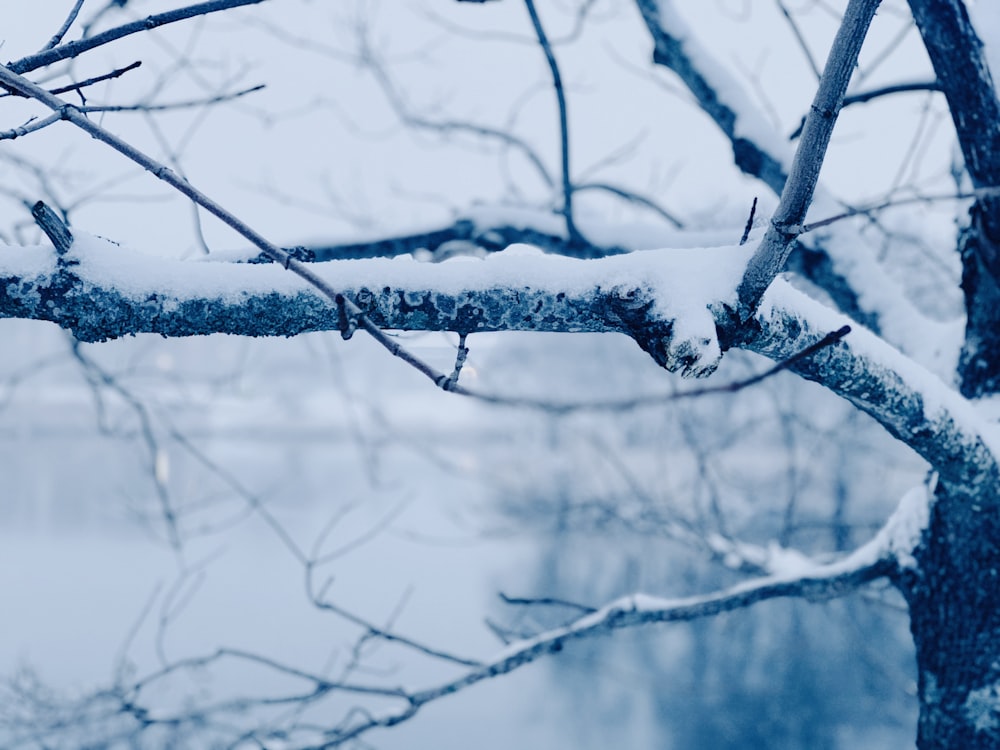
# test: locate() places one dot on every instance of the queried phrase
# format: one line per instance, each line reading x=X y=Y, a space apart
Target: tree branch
x=73 y=49
x=818 y=582
x=797 y=194
x=557 y=84
x=912 y=403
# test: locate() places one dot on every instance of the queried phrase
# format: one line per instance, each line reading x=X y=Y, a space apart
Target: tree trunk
x=979 y=366
x=954 y=598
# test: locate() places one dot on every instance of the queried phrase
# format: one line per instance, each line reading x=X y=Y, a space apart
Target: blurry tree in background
x=537 y=206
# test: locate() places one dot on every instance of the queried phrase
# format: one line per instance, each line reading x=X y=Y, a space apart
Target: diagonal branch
x=872 y=561
x=786 y=224
x=841 y=269
x=73 y=49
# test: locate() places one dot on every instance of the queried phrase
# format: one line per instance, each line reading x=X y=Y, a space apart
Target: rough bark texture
x=810 y=260
x=954 y=591
x=979 y=364
x=955 y=618
x=957 y=55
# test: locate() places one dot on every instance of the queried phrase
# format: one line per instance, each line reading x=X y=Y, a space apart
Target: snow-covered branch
x=911 y=402
x=795 y=576
x=845 y=268
x=662 y=299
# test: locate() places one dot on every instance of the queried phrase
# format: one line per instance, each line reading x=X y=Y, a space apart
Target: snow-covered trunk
x=954 y=598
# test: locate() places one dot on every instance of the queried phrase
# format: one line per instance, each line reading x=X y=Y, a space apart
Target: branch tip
x=54 y=227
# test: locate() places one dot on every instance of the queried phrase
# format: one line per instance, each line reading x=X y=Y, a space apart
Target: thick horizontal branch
x=661 y=299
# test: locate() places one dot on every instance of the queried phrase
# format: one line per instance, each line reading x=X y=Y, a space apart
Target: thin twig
x=460 y=356
x=978 y=193
x=57 y=37
x=749 y=226
x=97 y=79
x=631 y=197
x=557 y=84
x=168 y=106
x=651 y=400
x=547 y=601
x=867 y=96
x=797 y=32
x=73 y=49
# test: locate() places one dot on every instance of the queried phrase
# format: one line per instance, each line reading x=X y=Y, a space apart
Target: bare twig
x=369 y=59
x=749 y=226
x=55 y=229
x=73 y=49
x=31 y=126
x=97 y=79
x=168 y=106
x=57 y=37
x=319 y=600
x=547 y=601
x=797 y=33
x=631 y=197
x=463 y=352
x=557 y=84
x=652 y=400
x=867 y=96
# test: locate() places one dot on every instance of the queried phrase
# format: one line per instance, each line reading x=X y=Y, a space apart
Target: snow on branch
x=797 y=577
x=843 y=266
x=911 y=402
x=663 y=299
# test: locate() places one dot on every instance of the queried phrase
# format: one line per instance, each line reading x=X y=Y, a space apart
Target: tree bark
x=957 y=54
x=955 y=618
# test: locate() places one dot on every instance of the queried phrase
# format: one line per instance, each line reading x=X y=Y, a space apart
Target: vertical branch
x=773 y=251
x=567 y=184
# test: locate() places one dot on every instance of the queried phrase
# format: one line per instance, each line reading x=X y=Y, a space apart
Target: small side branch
x=74 y=49
x=58 y=36
x=54 y=227
x=819 y=582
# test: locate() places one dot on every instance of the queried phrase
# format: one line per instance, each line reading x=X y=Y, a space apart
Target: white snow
x=750 y=122
x=939 y=398
x=684 y=283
